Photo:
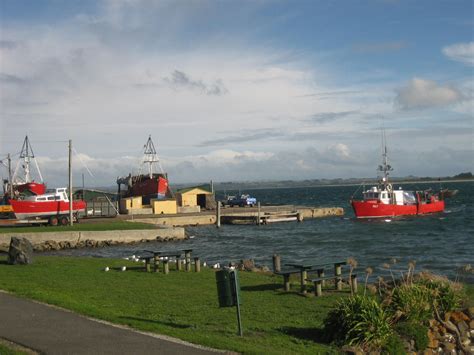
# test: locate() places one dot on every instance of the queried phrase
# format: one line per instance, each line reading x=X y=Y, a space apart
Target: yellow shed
x=163 y=206
x=193 y=196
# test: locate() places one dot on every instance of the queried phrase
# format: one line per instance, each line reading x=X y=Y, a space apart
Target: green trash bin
x=228 y=288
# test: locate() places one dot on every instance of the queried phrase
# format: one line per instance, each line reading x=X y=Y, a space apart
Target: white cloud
x=421 y=93
x=460 y=52
x=218 y=101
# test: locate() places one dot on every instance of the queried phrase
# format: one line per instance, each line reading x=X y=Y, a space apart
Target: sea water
x=442 y=243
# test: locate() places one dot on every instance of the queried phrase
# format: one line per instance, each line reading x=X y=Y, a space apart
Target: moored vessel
x=150 y=185
x=385 y=201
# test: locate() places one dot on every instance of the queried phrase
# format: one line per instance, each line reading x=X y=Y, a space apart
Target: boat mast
x=150 y=156
x=27 y=155
x=385 y=168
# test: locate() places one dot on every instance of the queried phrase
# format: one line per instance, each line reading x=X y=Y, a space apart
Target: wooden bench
x=318 y=283
x=319 y=269
x=286 y=277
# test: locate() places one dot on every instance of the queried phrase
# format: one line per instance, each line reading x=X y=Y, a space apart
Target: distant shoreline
x=402 y=182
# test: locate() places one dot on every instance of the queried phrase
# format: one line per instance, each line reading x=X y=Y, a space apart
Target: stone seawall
x=66 y=240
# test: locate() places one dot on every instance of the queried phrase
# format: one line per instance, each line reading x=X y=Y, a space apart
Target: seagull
x=204 y=264
x=123 y=268
x=106 y=268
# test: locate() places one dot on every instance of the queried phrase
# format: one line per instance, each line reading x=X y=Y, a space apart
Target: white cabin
x=388 y=196
x=59 y=194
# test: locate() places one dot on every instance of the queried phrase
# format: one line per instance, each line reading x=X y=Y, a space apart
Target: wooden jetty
x=265 y=218
x=239 y=215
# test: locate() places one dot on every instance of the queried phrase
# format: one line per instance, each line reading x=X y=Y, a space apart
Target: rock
x=20 y=251
x=247 y=265
x=429 y=352
x=265 y=269
x=448 y=346
x=463 y=327
x=52 y=245
x=471 y=324
x=457 y=317
x=466 y=342
x=470 y=312
x=432 y=341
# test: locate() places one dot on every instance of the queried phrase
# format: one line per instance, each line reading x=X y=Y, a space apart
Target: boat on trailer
x=384 y=201
x=28 y=200
x=54 y=205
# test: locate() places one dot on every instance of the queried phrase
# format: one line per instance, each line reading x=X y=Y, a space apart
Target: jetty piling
x=218 y=214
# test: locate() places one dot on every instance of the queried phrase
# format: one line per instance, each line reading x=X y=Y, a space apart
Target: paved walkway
x=50 y=330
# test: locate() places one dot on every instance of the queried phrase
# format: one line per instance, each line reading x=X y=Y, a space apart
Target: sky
x=238 y=90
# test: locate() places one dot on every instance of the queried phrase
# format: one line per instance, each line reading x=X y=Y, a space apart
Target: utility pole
x=70 y=183
x=10 y=182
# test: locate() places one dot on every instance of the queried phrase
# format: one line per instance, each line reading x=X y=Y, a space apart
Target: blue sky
x=239 y=90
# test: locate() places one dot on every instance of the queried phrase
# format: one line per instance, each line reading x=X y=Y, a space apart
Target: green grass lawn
x=7 y=348
x=96 y=226
x=180 y=304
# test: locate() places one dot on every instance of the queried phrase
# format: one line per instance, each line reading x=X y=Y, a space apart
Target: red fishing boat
x=26 y=199
x=385 y=201
x=54 y=205
x=150 y=185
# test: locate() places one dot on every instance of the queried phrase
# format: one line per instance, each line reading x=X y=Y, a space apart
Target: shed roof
x=205 y=187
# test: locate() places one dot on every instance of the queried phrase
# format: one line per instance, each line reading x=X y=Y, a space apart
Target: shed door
x=201 y=200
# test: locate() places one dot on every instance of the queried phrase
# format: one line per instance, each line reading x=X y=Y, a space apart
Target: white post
x=258 y=213
x=218 y=214
x=70 y=183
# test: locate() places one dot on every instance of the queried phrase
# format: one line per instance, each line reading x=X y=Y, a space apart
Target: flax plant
x=411 y=271
x=368 y=272
x=387 y=266
x=352 y=265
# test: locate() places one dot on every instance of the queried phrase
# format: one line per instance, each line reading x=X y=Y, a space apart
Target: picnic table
x=157 y=255
x=305 y=268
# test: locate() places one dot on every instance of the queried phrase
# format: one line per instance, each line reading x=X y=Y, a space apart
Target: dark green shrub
x=446 y=298
x=394 y=346
x=412 y=302
x=358 y=320
x=414 y=331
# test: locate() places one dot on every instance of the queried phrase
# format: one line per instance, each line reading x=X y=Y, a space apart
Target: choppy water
x=441 y=243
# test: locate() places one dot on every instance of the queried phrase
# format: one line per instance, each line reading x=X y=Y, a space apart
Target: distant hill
x=248 y=185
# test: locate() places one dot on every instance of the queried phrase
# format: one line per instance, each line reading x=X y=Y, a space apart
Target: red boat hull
x=374 y=209
x=157 y=186
x=30 y=209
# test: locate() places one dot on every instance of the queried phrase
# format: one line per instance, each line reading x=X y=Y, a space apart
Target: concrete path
x=50 y=330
